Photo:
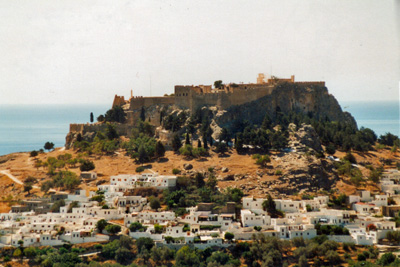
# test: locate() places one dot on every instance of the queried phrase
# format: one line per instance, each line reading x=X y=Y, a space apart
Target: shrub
x=113 y=229
x=33 y=153
x=155 y=203
x=350 y=157
x=176 y=171
x=140 y=169
x=361 y=257
x=278 y=172
x=229 y=236
x=86 y=165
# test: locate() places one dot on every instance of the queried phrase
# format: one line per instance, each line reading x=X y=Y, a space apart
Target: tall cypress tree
x=142 y=114
x=187 y=140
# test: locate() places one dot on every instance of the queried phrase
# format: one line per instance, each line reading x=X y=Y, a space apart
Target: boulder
x=224 y=169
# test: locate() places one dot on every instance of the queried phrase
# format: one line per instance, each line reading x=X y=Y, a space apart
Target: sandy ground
x=20 y=166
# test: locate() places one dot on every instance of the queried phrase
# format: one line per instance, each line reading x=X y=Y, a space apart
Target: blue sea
x=27 y=128
x=382 y=117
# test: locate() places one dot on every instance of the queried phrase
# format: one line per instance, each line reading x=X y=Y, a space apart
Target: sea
x=28 y=127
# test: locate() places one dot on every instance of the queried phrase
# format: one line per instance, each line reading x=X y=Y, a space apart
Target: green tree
x=87 y=165
x=48 y=146
x=155 y=203
x=218 y=84
x=101 y=118
x=386 y=259
x=224 y=135
x=330 y=149
x=30 y=252
x=144 y=243
x=239 y=143
x=269 y=204
x=262 y=160
x=229 y=236
x=332 y=257
x=142 y=154
x=158 y=229
x=187 y=140
x=303 y=261
x=33 y=153
x=116 y=114
x=136 y=227
x=160 y=150
x=17 y=253
x=56 y=206
x=142 y=114
x=28 y=187
x=113 y=229
x=123 y=255
x=221 y=148
x=101 y=225
x=186 y=257
x=108 y=250
x=176 y=143
x=350 y=157
x=91 y=117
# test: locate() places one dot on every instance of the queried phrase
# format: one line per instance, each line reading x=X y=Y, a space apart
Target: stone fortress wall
x=192 y=97
x=83 y=128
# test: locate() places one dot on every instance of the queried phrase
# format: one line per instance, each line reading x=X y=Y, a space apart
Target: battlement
x=119 y=101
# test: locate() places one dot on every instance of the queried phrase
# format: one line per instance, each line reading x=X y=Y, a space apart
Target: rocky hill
x=288 y=97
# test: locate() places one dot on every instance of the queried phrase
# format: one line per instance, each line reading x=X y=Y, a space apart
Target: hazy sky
x=87 y=51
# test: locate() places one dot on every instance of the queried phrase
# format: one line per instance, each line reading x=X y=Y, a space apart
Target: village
x=32 y=224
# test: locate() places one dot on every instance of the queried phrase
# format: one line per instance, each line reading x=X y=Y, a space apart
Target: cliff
x=286 y=97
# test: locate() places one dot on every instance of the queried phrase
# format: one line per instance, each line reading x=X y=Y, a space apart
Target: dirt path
x=15 y=179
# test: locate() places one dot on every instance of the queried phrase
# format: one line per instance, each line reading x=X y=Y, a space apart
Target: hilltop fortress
x=190 y=97
x=230 y=103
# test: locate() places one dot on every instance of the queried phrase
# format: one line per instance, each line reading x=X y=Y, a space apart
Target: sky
x=69 y=51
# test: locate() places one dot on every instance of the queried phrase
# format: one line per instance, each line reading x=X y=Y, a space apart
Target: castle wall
x=139 y=102
x=122 y=129
x=188 y=97
x=118 y=101
x=236 y=96
x=311 y=83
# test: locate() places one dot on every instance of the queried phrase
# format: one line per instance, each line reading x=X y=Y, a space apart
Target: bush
x=144 y=243
x=387 y=259
x=137 y=227
x=350 y=157
x=155 y=203
x=109 y=249
x=361 y=257
x=86 y=165
x=101 y=225
x=176 y=171
x=278 y=172
x=229 y=236
x=113 y=229
x=140 y=169
x=33 y=153
x=98 y=246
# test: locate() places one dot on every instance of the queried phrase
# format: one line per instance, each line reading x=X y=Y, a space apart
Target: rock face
x=287 y=97
x=303 y=138
x=302 y=172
